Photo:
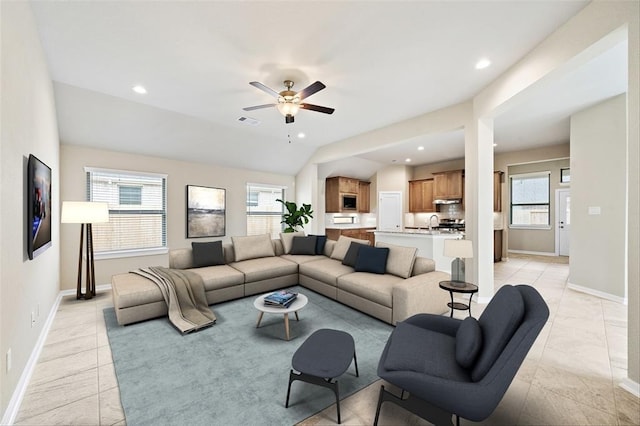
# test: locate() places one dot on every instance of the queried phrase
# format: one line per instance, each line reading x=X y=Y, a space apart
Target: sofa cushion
x=500 y=319
x=207 y=254
x=287 y=239
x=252 y=247
x=372 y=259
x=220 y=276
x=352 y=254
x=301 y=258
x=133 y=290
x=412 y=348
x=374 y=287
x=468 y=342
x=401 y=259
x=325 y=270
x=304 y=245
x=321 y=241
x=265 y=268
x=342 y=245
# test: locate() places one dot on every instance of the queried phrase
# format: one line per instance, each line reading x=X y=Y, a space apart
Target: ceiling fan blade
x=317 y=108
x=251 y=108
x=311 y=89
x=264 y=88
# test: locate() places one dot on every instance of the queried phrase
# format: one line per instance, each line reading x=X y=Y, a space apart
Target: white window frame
x=146 y=251
x=546 y=226
x=259 y=213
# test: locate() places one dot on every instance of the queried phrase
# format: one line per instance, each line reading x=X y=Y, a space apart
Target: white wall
x=73 y=159
x=598 y=242
x=28 y=127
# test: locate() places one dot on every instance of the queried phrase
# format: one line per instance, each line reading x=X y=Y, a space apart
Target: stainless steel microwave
x=349 y=201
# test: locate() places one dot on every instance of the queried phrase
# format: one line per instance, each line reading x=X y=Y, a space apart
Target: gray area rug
x=234 y=373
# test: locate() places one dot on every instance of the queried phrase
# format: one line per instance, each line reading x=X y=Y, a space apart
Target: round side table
x=459 y=287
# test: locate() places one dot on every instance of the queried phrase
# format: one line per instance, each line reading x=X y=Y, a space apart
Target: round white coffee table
x=300 y=302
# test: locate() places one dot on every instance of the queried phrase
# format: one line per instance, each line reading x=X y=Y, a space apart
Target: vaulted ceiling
x=382 y=62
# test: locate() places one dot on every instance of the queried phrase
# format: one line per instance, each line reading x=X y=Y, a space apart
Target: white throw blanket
x=183 y=291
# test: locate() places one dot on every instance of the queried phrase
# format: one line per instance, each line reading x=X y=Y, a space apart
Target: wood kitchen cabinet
x=359 y=233
x=448 y=185
x=421 y=196
x=364 y=197
x=497 y=191
x=336 y=187
x=497 y=245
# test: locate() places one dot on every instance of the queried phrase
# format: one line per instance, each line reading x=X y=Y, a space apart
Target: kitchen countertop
x=422 y=233
x=349 y=226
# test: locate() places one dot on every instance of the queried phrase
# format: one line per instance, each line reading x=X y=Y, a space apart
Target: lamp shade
x=84 y=212
x=458 y=248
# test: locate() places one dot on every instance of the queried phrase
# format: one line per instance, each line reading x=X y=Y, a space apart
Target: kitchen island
x=430 y=244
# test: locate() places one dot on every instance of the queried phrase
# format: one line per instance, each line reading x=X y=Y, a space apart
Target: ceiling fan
x=289 y=101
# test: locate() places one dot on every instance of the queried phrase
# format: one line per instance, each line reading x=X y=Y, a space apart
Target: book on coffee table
x=282 y=298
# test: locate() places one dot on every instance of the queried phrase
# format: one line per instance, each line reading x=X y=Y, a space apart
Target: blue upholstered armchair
x=461 y=367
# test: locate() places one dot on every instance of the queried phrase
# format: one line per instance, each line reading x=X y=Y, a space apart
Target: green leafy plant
x=295 y=216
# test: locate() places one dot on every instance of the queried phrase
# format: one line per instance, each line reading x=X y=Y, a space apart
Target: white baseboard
x=534 y=253
x=18 y=394
x=598 y=293
x=13 y=407
x=631 y=386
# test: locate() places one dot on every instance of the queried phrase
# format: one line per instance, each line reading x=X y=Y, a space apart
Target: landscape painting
x=205 y=212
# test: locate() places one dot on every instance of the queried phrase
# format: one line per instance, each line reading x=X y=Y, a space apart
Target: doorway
x=389 y=211
x=563 y=219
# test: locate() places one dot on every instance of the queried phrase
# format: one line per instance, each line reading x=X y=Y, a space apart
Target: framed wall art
x=205 y=211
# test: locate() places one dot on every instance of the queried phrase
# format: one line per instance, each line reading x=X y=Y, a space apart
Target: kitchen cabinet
x=337 y=187
x=497 y=245
x=359 y=233
x=448 y=185
x=364 y=197
x=421 y=196
x=497 y=191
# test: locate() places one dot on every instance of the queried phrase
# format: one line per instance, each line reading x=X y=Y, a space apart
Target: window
x=137 y=211
x=530 y=200
x=264 y=214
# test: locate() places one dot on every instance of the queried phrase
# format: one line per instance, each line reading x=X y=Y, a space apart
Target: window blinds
x=137 y=209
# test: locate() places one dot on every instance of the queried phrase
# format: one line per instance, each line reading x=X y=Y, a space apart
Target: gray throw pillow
x=352 y=254
x=372 y=259
x=468 y=342
x=304 y=245
x=207 y=254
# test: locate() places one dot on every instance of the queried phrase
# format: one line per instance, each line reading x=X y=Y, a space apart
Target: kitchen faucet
x=431 y=219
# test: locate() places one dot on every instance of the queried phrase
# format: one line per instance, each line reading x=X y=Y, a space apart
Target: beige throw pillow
x=252 y=247
x=287 y=240
x=342 y=245
x=400 y=260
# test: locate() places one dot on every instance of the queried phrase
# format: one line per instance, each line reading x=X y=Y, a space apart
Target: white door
x=564 y=221
x=389 y=211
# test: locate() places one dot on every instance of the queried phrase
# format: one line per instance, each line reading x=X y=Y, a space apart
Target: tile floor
x=570 y=376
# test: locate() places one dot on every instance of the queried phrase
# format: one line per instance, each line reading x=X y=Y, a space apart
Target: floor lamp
x=85 y=213
x=460 y=249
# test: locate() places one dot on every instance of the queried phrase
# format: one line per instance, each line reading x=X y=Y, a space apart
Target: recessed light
x=407 y=160
x=482 y=63
x=495 y=144
x=301 y=135
x=421 y=148
x=139 y=89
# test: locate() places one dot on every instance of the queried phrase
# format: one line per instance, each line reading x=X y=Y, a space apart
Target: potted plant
x=295 y=216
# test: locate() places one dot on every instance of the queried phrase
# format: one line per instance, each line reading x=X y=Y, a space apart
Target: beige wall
x=28 y=127
x=73 y=159
x=536 y=240
x=598 y=136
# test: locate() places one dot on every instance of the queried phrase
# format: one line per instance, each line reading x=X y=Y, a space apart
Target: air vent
x=248 y=121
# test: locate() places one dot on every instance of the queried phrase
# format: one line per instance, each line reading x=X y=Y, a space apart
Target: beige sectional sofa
x=259 y=264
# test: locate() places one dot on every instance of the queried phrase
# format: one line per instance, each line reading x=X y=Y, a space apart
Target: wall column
x=478 y=153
